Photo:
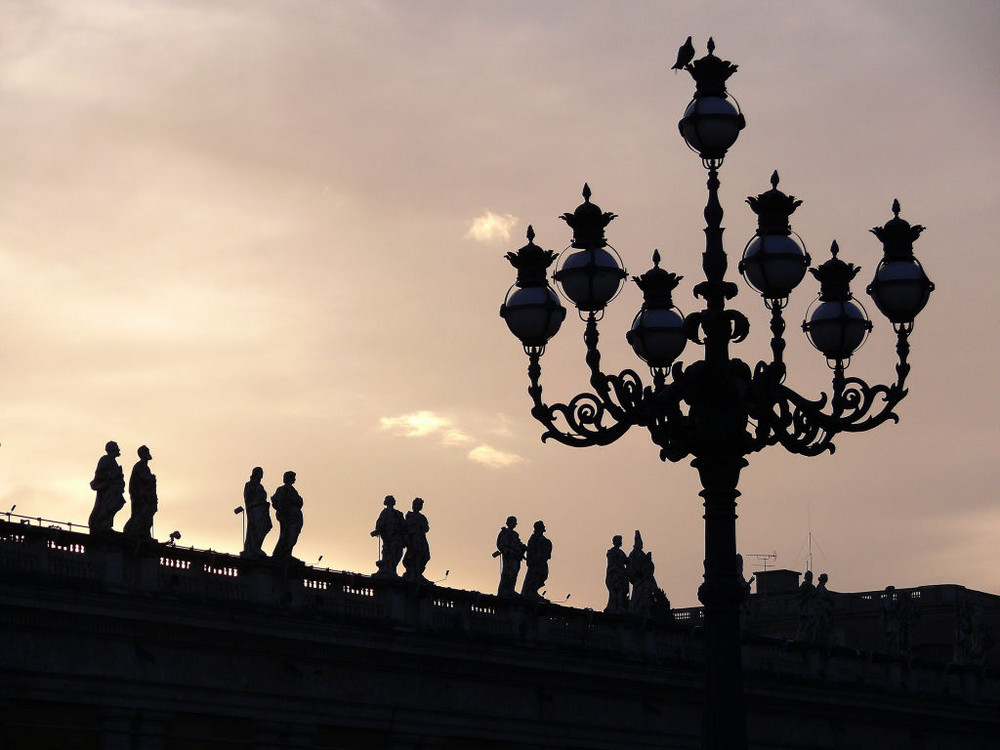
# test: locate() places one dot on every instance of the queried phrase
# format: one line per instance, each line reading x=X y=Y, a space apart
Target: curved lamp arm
x=806 y=427
x=591 y=419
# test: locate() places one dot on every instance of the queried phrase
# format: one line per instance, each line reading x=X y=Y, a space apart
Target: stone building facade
x=161 y=648
x=945 y=624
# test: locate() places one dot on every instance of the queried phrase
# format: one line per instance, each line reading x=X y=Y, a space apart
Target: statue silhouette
x=641 y=575
x=511 y=551
x=418 y=552
x=537 y=556
x=288 y=510
x=391 y=529
x=109 y=483
x=815 y=610
x=142 y=494
x=258 y=515
x=807 y=590
x=616 y=577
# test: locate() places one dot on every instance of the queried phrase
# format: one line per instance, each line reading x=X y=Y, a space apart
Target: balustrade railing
x=54 y=556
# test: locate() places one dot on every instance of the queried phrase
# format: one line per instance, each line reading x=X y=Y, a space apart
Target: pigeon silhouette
x=684 y=55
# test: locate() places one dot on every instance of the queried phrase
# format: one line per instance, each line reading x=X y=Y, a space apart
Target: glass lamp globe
x=657 y=336
x=837 y=328
x=711 y=125
x=533 y=314
x=531 y=309
x=900 y=289
x=836 y=323
x=774 y=264
x=590 y=278
x=589 y=271
x=774 y=260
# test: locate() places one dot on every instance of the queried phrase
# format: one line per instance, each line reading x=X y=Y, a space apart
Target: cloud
x=417 y=424
x=494 y=459
x=491 y=226
x=428 y=424
x=425 y=424
x=455 y=437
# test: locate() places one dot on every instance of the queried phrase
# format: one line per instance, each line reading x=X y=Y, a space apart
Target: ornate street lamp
x=657 y=334
x=900 y=287
x=590 y=271
x=835 y=323
x=531 y=309
x=718 y=410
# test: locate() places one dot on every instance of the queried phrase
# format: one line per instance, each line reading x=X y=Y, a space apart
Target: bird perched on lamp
x=684 y=55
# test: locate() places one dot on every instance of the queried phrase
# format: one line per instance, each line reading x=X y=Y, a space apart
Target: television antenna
x=763 y=558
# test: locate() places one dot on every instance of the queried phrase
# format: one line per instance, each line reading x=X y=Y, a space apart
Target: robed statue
x=390 y=528
x=142 y=495
x=109 y=483
x=418 y=551
x=510 y=550
x=288 y=510
x=258 y=512
x=616 y=577
x=537 y=556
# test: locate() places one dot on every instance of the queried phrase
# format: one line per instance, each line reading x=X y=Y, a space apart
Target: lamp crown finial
x=835 y=277
x=773 y=208
x=531 y=262
x=657 y=285
x=897 y=235
x=710 y=74
x=588 y=223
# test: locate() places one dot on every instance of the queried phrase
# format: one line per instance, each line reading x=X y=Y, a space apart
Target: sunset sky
x=272 y=233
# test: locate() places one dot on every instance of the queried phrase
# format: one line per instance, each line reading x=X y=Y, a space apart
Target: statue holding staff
x=391 y=529
x=510 y=550
x=258 y=515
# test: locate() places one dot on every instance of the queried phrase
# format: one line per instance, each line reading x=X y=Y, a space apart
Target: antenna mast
x=763 y=558
x=809 y=536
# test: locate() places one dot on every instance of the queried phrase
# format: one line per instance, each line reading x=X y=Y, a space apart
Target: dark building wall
x=107 y=647
x=930 y=618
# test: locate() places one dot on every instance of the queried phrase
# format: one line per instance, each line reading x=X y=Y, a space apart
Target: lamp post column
x=722 y=593
x=720 y=420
